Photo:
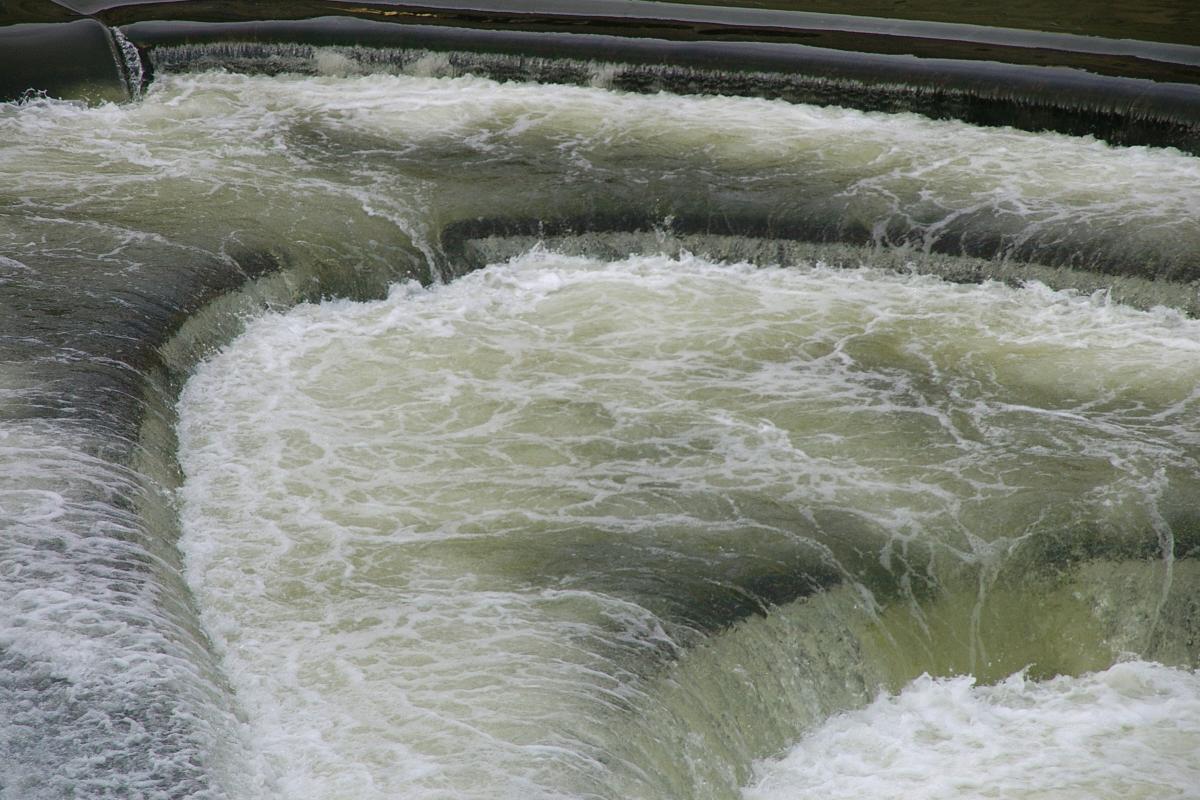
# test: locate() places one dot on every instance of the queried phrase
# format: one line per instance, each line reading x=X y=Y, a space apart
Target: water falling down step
x=578 y=528
x=1106 y=84
x=620 y=515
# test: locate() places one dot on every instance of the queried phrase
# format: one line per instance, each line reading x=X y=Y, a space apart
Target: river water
x=454 y=542
x=616 y=515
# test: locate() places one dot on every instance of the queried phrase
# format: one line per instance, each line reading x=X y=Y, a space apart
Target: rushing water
x=632 y=526
x=1129 y=731
x=451 y=543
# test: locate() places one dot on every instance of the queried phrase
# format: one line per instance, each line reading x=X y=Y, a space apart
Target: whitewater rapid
x=453 y=543
x=977 y=480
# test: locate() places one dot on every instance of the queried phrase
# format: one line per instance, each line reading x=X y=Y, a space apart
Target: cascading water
x=616 y=516
x=459 y=542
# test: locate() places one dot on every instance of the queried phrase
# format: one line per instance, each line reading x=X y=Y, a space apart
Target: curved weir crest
x=472 y=540
x=612 y=513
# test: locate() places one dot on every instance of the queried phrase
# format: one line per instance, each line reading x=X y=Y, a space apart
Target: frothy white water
x=445 y=541
x=102 y=693
x=1131 y=731
x=415 y=596
x=315 y=160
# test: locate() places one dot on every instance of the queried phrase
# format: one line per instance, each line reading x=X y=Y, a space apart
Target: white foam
x=315 y=150
x=1130 y=731
x=310 y=525
x=103 y=694
x=417 y=526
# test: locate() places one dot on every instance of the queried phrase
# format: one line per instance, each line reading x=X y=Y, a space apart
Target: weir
x=1129 y=92
x=351 y=147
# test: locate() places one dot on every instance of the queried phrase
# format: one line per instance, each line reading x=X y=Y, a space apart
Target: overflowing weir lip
x=114 y=374
x=1129 y=92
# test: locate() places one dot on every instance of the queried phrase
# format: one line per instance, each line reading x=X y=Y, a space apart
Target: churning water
x=1129 y=731
x=631 y=526
x=456 y=542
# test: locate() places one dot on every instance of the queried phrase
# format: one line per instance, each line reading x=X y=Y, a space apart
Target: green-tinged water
x=638 y=522
x=516 y=536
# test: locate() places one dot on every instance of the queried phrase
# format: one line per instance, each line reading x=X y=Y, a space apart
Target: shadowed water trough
x=590 y=403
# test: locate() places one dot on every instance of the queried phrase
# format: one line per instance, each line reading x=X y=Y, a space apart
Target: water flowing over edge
x=1129 y=92
x=755 y=680
x=102 y=451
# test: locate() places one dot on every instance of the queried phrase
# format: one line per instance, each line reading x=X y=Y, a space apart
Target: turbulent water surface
x=459 y=542
x=630 y=526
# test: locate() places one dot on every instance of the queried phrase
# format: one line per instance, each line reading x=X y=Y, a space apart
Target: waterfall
x=736 y=398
